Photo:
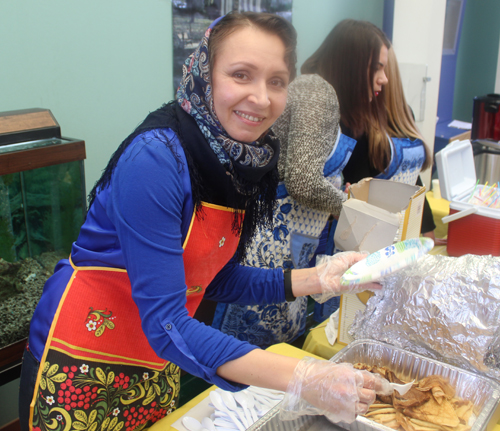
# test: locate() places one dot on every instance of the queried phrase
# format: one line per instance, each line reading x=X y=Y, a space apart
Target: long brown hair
x=268 y=22
x=350 y=49
x=400 y=121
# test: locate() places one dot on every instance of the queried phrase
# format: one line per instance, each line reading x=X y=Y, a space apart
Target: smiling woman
x=168 y=223
x=250 y=78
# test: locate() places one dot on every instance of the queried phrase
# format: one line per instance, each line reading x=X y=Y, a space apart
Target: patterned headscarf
x=247 y=162
x=252 y=167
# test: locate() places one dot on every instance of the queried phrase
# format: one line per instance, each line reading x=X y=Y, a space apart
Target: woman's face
x=380 y=78
x=249 y=79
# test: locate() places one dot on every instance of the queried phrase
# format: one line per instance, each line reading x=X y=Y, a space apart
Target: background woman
x=354 y=59
x=408 y=144
x=115 y=321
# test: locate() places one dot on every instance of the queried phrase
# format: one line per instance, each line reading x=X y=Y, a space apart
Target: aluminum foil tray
x=483 y=392
x=271 y=422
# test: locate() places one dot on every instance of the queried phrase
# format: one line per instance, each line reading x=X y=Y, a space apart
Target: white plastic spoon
x=219 y=404
x=266 y=402
x=221 y=414
x=230 y=403
x=268 y=393
x=250 y=400
x=228 y=399
x=241 y=399
x=208 y=424
x=402 y=388
x=259 y=408
x=219 y=422
x=191 y=424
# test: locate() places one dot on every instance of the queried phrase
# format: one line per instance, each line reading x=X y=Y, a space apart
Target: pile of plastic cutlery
x=235 y=411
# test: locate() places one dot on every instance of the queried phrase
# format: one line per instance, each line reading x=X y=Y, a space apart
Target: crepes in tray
x=430 y=405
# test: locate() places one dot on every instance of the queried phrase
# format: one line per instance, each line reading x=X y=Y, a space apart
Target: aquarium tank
x=42 y=207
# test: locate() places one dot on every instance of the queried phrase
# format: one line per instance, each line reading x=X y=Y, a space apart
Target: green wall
x=314 y=19
x=98 y=65
x=477 y=55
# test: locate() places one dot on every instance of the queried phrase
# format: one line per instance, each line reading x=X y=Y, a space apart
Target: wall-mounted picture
x=190 y=19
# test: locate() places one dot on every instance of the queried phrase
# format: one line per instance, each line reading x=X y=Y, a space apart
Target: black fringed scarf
x=210 y=181
x=223 y=171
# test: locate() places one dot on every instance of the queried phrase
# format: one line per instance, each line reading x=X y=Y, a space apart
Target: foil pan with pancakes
x=479 y=394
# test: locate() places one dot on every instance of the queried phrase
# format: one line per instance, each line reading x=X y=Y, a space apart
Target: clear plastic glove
x=337 y=391
x=331 y=268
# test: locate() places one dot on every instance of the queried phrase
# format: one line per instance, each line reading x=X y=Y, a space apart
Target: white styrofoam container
x=457 y=178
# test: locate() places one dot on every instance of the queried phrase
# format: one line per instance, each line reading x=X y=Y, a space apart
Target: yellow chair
x=440 y=208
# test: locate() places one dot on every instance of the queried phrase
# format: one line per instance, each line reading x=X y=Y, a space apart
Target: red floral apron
x=98 y=371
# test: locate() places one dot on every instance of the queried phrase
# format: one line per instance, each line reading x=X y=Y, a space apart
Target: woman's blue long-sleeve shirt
x=139 y=223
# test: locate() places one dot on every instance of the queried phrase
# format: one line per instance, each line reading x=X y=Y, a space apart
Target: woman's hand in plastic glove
x=331 y=268
x=338 y=391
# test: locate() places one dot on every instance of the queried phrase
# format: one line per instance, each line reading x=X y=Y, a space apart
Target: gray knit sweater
x=307 y=130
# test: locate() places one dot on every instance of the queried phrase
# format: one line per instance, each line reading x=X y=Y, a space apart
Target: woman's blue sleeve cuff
x=178 y=352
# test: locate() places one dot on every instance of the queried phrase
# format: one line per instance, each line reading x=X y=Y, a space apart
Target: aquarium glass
x=41 y=212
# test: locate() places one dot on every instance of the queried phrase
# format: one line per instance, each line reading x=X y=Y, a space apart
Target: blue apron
x=291 y=244
x=407 y=158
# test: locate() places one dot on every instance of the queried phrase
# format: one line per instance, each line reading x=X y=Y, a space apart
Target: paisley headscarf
x=246 y=162
x=252 y=166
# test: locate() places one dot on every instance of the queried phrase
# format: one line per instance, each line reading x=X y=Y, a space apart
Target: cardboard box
x=350 y=305
x=378 y=214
